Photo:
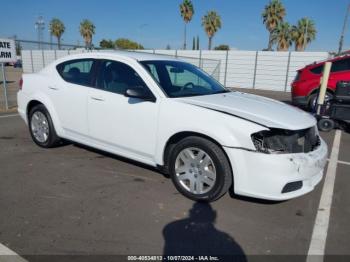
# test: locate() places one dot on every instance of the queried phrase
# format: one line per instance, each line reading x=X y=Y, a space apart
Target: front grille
x=286 y=141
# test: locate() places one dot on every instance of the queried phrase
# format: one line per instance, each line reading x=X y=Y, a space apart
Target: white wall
x=244 y=69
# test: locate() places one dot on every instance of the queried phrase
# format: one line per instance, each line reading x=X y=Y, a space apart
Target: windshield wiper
x=221 y=92
x=205 y=94
x=191 y=94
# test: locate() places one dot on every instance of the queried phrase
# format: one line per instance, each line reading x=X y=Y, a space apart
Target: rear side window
x=77 y=71
x=317 y=70
x=341 y=65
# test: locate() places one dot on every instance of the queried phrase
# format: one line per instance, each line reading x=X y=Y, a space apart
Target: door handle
x=53 y=88
x=97 y=98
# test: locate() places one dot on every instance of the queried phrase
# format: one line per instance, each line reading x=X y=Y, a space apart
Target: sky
x=157 y=23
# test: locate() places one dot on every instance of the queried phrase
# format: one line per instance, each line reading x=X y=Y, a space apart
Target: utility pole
x=50 y=33
x=40 y=26
x=341 y=41
x=305 y=33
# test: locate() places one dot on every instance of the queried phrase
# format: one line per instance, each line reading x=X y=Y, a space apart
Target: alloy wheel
x=40 y=127
x=195 y=170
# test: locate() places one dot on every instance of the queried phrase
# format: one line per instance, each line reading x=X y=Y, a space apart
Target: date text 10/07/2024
x=173 y=258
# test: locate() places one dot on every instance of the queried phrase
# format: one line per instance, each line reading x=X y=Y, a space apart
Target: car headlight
x=281 y=141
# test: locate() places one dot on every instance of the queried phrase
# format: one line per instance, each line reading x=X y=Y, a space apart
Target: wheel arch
x=45 y=102
x=31 y=104
x=175 y=138
x=313 y=91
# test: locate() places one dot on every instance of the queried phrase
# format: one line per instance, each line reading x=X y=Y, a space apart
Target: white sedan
x=170 y=114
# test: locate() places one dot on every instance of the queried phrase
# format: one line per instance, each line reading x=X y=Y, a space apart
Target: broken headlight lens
x=281 y=141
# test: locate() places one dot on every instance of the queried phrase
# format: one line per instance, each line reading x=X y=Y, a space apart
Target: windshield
x=180 y=79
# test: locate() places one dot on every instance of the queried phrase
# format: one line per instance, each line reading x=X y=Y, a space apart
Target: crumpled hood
x=258 y=109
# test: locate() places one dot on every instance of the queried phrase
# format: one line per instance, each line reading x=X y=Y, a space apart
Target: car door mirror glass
x=140 y=93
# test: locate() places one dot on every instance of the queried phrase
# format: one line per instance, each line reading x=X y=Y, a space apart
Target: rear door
x=69 y=95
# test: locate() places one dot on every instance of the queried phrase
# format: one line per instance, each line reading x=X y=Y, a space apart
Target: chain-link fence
x=210 y=66
x=35 y=45
x=33 y=56
x=12 y=76
x=13 y=71
x=234 y=69
x=35 y=60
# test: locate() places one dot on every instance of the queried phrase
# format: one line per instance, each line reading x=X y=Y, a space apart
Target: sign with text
x=7 y=50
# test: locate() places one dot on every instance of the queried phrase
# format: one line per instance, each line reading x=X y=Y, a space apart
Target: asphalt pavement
x=74 y=200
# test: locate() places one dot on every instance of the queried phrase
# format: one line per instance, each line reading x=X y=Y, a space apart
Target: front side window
x=77 y=71
x=180 y=79
x=117 y=77
x=341 y=65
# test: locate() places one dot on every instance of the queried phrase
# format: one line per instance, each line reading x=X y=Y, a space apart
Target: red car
x=307 y=81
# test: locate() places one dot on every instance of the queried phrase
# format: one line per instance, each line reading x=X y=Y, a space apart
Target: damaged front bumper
x=276 y=176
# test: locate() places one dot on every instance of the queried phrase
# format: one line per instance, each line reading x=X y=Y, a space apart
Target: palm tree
x=87 y=30
x=211 y=23
x=187 y=12
x=57 y=28
x=282 y=35
x=272 y=15
x=303 y=33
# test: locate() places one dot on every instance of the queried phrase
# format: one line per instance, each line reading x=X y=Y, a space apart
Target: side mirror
x=140 y=93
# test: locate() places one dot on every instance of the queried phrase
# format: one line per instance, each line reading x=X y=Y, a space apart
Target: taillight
x=20 y=84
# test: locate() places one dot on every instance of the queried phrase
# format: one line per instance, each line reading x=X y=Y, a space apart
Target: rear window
x=317 y=70
x=76 y=71
x=297 y=76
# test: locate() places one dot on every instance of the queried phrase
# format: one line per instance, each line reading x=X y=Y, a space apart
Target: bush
x=222 y=47
x=123 y=43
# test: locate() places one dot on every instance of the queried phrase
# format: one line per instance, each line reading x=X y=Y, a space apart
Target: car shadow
x=116 y=157
x=287 y=102
x=159 y=171
x=197 y=235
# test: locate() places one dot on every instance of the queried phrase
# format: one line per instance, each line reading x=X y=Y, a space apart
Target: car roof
x=333 y=59
x=138 y=56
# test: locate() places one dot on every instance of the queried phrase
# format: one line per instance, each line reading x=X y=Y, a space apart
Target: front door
x=126 y=126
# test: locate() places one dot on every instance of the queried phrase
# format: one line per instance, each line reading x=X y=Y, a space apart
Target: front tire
x=326 y=124
x=41 y=127
x=200 y=169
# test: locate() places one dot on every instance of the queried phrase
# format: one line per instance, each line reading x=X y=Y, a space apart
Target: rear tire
x=313 y=100
x=41 y=127
x=200 y=169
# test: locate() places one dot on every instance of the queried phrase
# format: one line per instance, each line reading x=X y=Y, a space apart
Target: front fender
x=226 y=130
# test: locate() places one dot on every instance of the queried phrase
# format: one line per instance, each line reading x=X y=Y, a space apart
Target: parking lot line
x=319 y=234
x=6 y=116
x=344 y=162
x=7 y=255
